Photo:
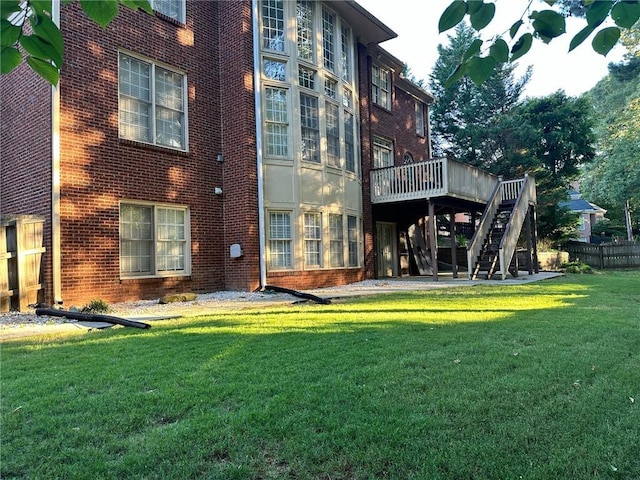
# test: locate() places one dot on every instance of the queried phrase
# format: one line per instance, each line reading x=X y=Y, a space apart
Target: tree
x=465 y=116
x=538 y=25
x=28 y=30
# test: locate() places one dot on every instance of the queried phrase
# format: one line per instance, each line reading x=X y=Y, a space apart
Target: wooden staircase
x=492 y=252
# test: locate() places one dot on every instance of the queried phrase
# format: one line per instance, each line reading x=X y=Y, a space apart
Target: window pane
x=336 y=253
x=275 y=70
x=169 y=89
x=346 y=54
x=349 y=146
x=135 y=78
x=330 y=88
x=171 y=8
x=169 y=131
x=280 y=239
x=310 y=128
x=328 y=40
x=333 y=135
x=134 y=119
x=307 y=77
x=276 y=122
x=352 y=230
x=135 y=238
x=273 y=25
x=304 y=16
x=312 y=239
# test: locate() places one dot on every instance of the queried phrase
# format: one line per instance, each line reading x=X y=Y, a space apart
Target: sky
x=416 y=23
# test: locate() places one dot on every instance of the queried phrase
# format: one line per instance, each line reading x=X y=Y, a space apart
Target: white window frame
x=332 y=134
x=152 y=103
x=336 y=240
x=279 y=122
x=165 y=8
x=305 y=30
x=157 y=241
x=420 y=118
x=280 y=240
x=273 y=34
x=312 y=224
x=353 y=241
x=310 y=127
x=381 y=86
x=382 y=152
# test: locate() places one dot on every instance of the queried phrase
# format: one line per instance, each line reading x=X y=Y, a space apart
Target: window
x=276 y=122
x=304 y=16
x=273 y=25
x=328 y=40
x=346 y=54
x=382 y=153
x=171 y=8
x=280 y=239
x=310 y=128
x=420 y=130
x=407 y=158
x=151 y=103
x=333 y=134
x=349 y=144
x=330 y=88
x=352 y=234
x=154 y=240
x=312 y=240
x=275 y=69
x=336 y=253
x=380 y=88
x=347 y=98
x=307 y=77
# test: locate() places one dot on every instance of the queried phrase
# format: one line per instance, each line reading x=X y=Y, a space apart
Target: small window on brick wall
x=174 y=9
x=154 y=240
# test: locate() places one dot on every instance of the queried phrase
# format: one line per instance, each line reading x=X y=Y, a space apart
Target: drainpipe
x=259 y=158
x=55 y=176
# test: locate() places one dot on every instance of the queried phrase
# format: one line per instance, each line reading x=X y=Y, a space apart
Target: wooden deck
x=431 y=179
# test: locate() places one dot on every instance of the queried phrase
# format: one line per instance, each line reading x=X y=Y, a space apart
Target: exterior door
x=386 y=250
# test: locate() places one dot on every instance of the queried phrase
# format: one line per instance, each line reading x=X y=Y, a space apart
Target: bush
x=96 y=306
x=577 y=267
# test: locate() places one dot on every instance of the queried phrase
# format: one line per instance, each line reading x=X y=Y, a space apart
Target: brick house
x=216 y=145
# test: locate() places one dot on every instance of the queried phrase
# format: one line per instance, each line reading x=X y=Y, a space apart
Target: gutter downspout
x=259 y=158
x=55 y=176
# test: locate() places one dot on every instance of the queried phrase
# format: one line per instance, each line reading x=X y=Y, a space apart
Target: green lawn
x=537 y=381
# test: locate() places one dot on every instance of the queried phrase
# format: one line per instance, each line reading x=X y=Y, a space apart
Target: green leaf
x=10 y=58
x=136 y=4
x=605 y=40
x=548 y=24
x=499 y=51
x=9 y=33
x=47 y=71
x=597 y=12
x=40 y=6
x=473 y=49
x=100 y=11
x=551 y=3
x=482 y=15
x=9 y=7
x=521 y=47
x=626 y=13
x=457 y=74
x=452 y=15
x=515 y=27
x=480 y=69
x=39 y=48
x=580 y=37
x=50 y=33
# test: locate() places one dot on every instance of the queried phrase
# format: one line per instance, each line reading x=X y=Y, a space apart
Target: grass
x=537 y=381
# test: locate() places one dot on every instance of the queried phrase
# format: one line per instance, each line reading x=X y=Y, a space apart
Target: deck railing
x=433 y=178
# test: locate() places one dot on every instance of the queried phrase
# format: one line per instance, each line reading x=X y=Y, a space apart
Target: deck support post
x=433 y=240
x=454 y=243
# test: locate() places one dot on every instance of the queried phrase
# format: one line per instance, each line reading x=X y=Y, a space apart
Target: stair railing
x=526 y=197
x=473 y=250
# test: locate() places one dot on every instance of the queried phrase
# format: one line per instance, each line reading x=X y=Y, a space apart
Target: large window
x=171 y=8
x=312 y=240
x=280 y=239
x=310 y=128
x=276 y=122
x=304 y=17
x=336 y=244
x=381 y=86
x=352 y=233
x=349 y=144
x=382 y=152
x=328 y=41
x=152 y=103
x=273 y=35
x=420 y=118
x=154 y=240
x=333 y=134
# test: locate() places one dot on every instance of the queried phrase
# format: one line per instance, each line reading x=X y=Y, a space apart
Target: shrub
x=577 y=267
x=96 y=306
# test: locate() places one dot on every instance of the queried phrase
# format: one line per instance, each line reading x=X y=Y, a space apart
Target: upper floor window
x=346 y=54
x=276 y=122
x=420 y=118
x=154 y=240
x=152 y=102
x=349 y=143
x=171 y=8
x=273 y=34
x=332 y=121
x=304 y=17
x=310 y=128
x=381 y=86
x=382 y=153
x=328 y=40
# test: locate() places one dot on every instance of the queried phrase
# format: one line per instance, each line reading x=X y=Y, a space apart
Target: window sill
x=150 y=146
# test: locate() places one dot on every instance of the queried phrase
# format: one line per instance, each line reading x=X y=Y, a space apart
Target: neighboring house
x=589 y=212
x=223 y=145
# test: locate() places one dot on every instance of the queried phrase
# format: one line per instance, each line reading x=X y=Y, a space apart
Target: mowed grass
x=536 y=381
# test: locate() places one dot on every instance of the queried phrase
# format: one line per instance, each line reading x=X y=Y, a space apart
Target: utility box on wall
x=21 y=251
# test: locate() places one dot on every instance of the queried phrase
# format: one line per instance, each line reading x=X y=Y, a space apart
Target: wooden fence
x=606 y=256
x=21 y=253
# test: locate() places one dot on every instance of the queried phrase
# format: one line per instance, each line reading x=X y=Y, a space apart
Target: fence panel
x=21 y=253
x=609 y=256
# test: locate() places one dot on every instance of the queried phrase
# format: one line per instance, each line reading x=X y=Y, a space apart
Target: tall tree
x=465 y=116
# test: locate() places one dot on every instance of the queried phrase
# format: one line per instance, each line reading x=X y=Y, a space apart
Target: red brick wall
x=25 y=152
x=315 y=279
x=98 y=170
x=239 y=146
